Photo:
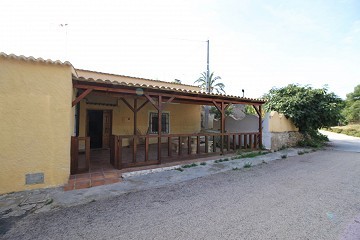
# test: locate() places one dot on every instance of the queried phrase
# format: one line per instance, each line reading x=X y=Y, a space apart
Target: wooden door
x=107 y=115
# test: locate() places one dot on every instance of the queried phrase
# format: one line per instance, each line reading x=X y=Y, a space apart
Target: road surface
x=343 y=142
x=310 y=196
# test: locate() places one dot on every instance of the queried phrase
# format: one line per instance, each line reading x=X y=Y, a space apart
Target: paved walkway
x=42 y=200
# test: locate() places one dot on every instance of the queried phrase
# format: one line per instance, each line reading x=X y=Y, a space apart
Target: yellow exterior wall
x=36 y=123
x=184 y=118
x=279 y=123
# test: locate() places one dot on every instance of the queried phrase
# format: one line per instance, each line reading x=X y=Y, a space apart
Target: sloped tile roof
x=33 y=59
x=91 y=74
x=165 y=88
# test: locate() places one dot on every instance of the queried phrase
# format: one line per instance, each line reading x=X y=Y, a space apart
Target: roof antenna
x=243 y=91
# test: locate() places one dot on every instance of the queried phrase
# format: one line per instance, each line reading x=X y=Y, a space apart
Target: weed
x=179 y=169
x=300 y=152
x=283 y=156
x=203 y=163
x=189 y=165
x=236 y=168
x=225 y=159
x=49 y=201
x=247 y=165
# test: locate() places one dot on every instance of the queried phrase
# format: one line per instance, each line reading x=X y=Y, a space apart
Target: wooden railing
x=76 y=153
x=140 y=150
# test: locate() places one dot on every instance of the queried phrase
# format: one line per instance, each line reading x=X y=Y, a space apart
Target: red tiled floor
x=81 y=185
x=97 y=182
x=101 y=172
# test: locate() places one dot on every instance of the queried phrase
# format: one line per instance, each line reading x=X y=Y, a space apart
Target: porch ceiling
x=177 y=95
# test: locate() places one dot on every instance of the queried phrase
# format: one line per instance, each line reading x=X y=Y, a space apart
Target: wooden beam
x=142 y=105
x=128 y=104
x=206 y=99
x=135 y=117
x=217 y=106
x=152 y=101
x=260 y=129
x=82 y=95
x=170 y=100
x=159 y=107
x=257 y=111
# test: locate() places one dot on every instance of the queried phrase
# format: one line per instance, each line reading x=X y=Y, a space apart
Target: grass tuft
x=247 y=165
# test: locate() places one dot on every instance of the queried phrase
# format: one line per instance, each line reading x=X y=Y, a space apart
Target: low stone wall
x=284 y=139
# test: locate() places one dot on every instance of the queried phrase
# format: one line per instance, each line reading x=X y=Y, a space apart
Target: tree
x=217 y=114
x=310 y=109
x=218 y=87
x=351 y=111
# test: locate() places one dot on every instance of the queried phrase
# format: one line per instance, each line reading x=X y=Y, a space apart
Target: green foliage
x=247 y=165
x=217 y=115
x=214 y=86
x=313 y=139
x=351 y=111
x=251 y=154
x=189 y=165
x=310 y=109
x=249 y=110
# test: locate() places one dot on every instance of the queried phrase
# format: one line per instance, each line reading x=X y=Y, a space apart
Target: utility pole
x=208 y=68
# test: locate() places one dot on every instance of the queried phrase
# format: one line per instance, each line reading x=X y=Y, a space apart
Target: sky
x=254 y=44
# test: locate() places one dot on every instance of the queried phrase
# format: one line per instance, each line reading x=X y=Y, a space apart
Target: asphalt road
x=311 y=196
x=343 y=142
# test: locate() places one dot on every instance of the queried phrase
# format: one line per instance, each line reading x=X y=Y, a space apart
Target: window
x=153 y=122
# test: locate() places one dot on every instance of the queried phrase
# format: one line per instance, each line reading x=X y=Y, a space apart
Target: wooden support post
x=260 y=128
x=146 y=148
x=169 y=147
x=234 y=142
x=135 y=117
x=214 y=143
x=159 y=127
x=197 y=144
x=222 y=127
x=206 y=144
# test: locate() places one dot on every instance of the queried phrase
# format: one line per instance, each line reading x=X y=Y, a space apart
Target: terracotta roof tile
x=33 y=59
x=159 y=87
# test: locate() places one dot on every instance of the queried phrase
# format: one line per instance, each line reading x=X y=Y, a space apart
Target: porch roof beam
x=257 y=110
x=82 y=95
x=205 y=100
x=128 y=104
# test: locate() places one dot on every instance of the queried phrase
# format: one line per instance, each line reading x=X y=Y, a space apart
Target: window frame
x=153 y=113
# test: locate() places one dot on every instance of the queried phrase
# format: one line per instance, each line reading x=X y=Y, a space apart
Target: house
x=56 y=120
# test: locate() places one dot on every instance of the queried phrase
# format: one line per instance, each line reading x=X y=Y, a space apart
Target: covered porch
x=158 y=147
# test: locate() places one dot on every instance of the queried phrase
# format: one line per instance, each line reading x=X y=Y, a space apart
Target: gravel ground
x=312 y=196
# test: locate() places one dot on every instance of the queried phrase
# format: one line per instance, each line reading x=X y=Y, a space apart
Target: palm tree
x=218 y=87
